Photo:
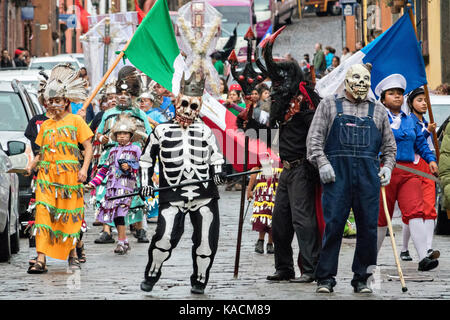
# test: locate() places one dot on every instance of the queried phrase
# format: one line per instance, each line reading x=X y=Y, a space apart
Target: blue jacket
x=410 y=140
x=426 y=134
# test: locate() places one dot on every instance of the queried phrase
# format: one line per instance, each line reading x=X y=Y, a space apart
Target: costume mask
x=357 y=81
x=187 y=109
x=189 y=101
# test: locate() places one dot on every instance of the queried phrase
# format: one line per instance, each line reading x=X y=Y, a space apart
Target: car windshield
x=49 y=65
x=440 y=113
x=13 y=116
x=231 y=15
x=81 y=60
x=261 y=5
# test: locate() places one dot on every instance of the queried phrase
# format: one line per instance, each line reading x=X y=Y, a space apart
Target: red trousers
x=408 y=189
x=428 y=190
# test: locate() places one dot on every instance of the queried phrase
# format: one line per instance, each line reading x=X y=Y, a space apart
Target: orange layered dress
x=59 y=194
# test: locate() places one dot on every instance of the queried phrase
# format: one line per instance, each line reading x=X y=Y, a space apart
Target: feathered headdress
x=64 y=82
x=125 y=123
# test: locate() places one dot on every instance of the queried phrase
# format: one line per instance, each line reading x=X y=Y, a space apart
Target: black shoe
x=147 y=285
x=269 y=248
x=305 y=278
x=105 y=237
x=324 y=287
x=198 y=289
x=361 y=287
x=404 y=255
x=280 y=276
x=259 y=246
x=427 y=264
x=433 y=254
x=141 y=235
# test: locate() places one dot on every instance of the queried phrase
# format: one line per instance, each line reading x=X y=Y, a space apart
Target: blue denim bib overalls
x=352 y=147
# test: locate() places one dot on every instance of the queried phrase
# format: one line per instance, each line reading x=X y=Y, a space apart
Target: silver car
x=9 y=201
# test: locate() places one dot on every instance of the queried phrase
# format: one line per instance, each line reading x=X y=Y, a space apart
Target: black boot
x=141 y=235
x=427 y=264
x=259 y=246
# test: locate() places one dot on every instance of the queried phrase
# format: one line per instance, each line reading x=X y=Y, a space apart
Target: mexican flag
x=154 y=49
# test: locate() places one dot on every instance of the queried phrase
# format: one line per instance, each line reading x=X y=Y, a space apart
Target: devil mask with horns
x=189 y=100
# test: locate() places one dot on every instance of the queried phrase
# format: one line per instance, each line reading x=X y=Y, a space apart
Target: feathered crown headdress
x=65 y=83
x=125 y=123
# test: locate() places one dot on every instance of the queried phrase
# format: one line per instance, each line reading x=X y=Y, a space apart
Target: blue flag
x=395 y=51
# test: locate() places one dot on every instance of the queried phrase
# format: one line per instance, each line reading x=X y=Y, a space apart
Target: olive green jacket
x=444 y=167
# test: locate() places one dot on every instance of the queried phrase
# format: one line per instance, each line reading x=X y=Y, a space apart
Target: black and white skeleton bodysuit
x=185 y=155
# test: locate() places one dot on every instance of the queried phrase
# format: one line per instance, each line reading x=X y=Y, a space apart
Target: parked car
x=9 y=201
x=440 y=105
x=29 y=78
x=17 y=108
x=78 y=56
x=47 y=63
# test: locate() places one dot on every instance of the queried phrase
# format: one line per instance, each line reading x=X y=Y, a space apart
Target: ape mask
x=189 y=100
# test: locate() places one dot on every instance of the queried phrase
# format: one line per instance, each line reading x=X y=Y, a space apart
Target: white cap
x=395 y=80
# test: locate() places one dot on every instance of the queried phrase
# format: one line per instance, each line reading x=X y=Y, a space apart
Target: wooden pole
x=425 y=87
x=394 y=247
x=241 y=212
x=105 y=77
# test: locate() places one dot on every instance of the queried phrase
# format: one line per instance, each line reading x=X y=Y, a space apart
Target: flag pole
x=425 y=87
x=106 y=75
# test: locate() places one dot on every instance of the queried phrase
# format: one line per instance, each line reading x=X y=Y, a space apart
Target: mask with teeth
x=189 y=101
x=187 y=109
x=357 y=81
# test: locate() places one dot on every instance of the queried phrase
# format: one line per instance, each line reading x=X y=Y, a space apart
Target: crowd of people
x=21 y=58
x=329 y=149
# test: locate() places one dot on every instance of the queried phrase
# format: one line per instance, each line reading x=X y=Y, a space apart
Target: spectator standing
x=319 y=60
x=6 y=60
x=329 y=54
x=345 y=54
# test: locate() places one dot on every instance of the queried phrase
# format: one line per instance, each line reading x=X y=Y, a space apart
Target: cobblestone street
x=108 y=276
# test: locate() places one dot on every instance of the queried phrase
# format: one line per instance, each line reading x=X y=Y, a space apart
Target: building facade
x=432 y=20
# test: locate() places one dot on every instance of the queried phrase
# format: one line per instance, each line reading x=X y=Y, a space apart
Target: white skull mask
x=187 y=109
x=357 y=81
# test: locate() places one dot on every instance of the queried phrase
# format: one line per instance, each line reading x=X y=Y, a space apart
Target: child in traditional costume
x=121 y=168
x=263 y=189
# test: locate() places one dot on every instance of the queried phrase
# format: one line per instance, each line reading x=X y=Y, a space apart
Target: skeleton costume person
x=127 y=89
x=347 y=134
x=187 y=151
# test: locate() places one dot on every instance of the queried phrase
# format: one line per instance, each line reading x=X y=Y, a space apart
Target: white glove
x=327 y=174
x=385 y=176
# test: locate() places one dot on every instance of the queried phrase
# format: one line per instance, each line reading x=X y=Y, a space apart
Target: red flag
x=141 y=14
x=83 y=17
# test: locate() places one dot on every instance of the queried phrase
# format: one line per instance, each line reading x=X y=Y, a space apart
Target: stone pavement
x=108 y=276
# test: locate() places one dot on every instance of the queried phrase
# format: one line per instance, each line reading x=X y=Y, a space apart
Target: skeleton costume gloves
x=219 y=176
x=146 y=191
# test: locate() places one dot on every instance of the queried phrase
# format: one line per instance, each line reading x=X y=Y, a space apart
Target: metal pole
x=241 y=213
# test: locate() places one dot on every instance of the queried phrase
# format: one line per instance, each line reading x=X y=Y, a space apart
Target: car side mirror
x=16 y=147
